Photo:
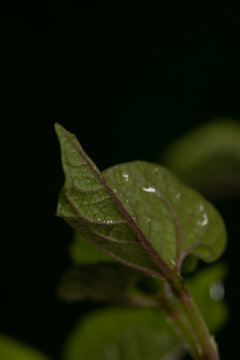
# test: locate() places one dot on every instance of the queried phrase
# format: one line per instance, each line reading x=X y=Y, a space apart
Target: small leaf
x=103 y=282
x=138 y=212
x=83 y=251
x=189 y=264
x=208 y=158
x=123 y=334
x=13 y=350
x=207 y=289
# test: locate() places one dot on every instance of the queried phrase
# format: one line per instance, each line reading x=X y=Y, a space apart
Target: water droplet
x=203 y=222
x=217 y=291
x=125 y=175
x=173 y=262
x=150 y=189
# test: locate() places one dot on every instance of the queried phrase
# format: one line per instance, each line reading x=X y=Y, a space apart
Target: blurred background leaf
x=207 y=289
x=130 y=333
x=208 y=158
x=82 y=251
x=14 y=350
x=103 y=282
x=115 y=283
x=190 y=264
x=123 y=334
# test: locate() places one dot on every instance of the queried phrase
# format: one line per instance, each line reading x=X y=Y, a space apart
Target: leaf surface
x=83 y=252
x=118 y=284
x=103 y=282
x=11 y=349
x=133 y=334
x=207 y=289
x=174 y=218
x=86 y=203
x=137 y=212
x=123 y=334
x=208 y=158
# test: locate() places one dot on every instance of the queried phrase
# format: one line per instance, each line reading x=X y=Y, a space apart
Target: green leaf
x=123 y=334
x=207 y=289
x=83 y=251
x=137 y=212
x=189 y=264
x=13 y=350
x=208 y=158
x=87 y=203
x=174 y=218
x=117 y=284
x=114 y=283
x=145 y=334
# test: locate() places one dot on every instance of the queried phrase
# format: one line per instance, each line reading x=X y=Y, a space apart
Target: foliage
x=138 y=212
x=208 y=158
x=14 y=350
x=123 y=334
x=140 y=234
x=141 y=216
x=119 y=333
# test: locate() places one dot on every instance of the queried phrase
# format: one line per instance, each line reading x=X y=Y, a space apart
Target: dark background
x=126 y=81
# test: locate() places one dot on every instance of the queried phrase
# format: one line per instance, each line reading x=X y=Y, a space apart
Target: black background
x=126 y=81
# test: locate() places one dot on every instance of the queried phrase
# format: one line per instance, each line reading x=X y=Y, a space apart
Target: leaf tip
x=58 y=128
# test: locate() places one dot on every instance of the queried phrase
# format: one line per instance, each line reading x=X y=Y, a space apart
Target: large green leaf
x=137 y=212
x=114 y=283
x=88 y=205
x=123 y=334
x=208 y=158
x=13 y=350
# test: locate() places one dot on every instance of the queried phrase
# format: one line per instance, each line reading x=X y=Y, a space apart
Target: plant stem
x=206 y=343
x=182 y=324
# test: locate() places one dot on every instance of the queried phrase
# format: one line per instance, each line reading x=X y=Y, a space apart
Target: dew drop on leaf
x=125 y=176
x=150 y=189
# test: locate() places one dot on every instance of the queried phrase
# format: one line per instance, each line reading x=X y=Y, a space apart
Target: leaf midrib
x=162 y=265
